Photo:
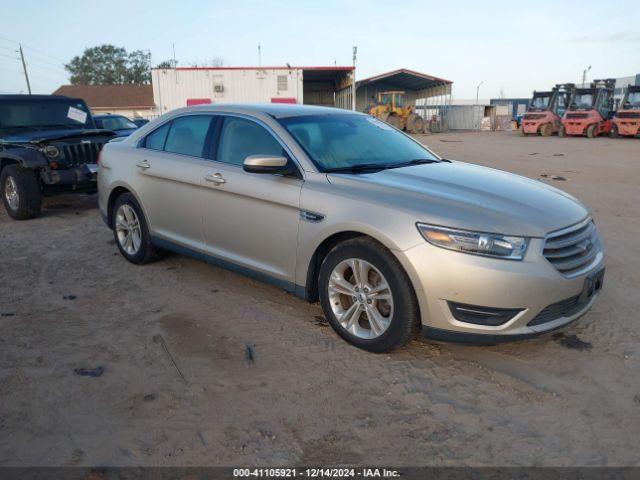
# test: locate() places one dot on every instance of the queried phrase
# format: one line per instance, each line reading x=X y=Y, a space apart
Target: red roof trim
x=261 y=68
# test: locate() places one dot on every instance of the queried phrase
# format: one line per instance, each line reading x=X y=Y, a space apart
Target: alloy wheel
x=128 y=230
x=361 y=298
x=11 y=193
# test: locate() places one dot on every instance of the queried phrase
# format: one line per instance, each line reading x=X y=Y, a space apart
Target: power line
x=33 y=48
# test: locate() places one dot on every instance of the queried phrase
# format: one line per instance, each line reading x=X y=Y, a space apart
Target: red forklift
x=545 y=110
x=590 y=110
x=627 y=119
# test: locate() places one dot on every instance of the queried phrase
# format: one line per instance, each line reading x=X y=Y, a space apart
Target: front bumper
x=626 y=127
x=440 y=276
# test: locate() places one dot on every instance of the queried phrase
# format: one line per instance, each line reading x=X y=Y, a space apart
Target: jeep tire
x=20 y=191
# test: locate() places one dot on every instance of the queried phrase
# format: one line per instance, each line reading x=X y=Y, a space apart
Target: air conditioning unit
x=218 y=88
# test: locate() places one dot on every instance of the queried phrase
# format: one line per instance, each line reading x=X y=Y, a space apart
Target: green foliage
x=110 y=65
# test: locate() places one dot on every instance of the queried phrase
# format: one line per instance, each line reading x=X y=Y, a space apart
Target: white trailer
x=184 y=86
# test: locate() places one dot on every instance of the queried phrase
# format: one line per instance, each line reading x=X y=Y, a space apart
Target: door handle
x=144 y=164
x=215 y=178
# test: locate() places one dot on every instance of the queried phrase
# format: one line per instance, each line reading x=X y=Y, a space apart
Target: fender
x=25 y=157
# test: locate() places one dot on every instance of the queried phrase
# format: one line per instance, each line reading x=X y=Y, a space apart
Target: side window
x=187 y=135
x=155 y=140
x=240 y=138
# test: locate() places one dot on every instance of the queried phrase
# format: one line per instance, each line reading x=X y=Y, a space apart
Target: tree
x=109 y=65
x=138 y=68
x=167 y=64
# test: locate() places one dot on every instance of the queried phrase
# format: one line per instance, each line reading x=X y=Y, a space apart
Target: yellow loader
x=390 y=107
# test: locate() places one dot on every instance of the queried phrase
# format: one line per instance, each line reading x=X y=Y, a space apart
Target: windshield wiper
x=362 y=167
x=418 y=161
x=51 y=125
x=359 y=167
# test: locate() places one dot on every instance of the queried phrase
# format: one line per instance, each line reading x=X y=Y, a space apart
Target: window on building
x=283 y=83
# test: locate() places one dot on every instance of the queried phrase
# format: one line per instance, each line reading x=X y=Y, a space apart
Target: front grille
x=572 y=249
x=577 y=115
x=628 y=115
x=81 y=153
x=534 y=116
x=564 y=308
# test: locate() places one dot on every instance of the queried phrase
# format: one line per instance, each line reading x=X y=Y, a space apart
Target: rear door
x=250 y=219
x=169 y=170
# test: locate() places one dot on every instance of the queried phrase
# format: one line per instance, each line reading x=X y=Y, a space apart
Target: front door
x=250 y=220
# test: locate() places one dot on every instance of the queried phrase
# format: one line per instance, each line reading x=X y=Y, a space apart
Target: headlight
x=477 y=243
x=51 y=151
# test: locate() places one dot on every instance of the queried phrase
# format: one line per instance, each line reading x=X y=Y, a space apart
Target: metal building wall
x=465 y=117
x=172 y=88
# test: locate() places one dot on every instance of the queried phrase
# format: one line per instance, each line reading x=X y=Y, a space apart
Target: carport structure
x=430 y=95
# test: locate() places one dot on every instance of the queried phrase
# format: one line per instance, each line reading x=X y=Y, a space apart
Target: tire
x=20 y=192
x=399 y=317
x=613 y=133
x=562 y=132
x=591 y=131
x=522 y=132
x=418 y=126
x=546 y=130
x=394 y=121
x=138 y=251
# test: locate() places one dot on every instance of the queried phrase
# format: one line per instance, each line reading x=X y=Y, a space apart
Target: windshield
x=115 y=123
x=633 y=100
x=343 y=141
x=540 y=103
x=43 y=114
x=582 y=101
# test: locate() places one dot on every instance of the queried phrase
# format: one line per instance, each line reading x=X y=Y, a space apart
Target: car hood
x=37 y=136
x=472 y=197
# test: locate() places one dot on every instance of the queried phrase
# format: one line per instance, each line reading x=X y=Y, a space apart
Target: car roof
x=40 y=97
x=108 y=115
x=276 y=110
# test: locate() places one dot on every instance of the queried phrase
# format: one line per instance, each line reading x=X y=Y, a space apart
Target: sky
x=511 y=47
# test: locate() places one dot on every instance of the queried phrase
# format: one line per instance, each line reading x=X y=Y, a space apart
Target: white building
x=184 y=86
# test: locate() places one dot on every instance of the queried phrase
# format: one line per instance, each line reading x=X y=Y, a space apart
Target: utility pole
x=24 y=67
x=478 y=91
x=259 y=56
x=584 y=75
x=353 y=79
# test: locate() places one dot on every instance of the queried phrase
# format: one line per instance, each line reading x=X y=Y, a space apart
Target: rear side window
x=240 y=138
x=187 y=135
x=156 y=139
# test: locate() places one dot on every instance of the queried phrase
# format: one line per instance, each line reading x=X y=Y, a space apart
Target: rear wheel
x=131 y=231
x=562 y=132
x=20 y=192
x=592 y=131
x=613 y=133
x=522 y=132
x=367 y=296
x=546 y=130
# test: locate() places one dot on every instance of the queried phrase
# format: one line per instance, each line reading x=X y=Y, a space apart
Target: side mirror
x=267 y=164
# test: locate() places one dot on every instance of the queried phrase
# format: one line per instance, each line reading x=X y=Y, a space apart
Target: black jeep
x=48 y=144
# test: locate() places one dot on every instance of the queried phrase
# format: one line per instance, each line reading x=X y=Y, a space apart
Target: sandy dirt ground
x=195 y=365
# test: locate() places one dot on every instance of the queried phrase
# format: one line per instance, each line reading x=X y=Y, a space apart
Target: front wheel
x=367 y=296
x=562 y=132
x=546 y=130
x=613 y=133
x=20 y=192
x=592 y=131
x=131 y=231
